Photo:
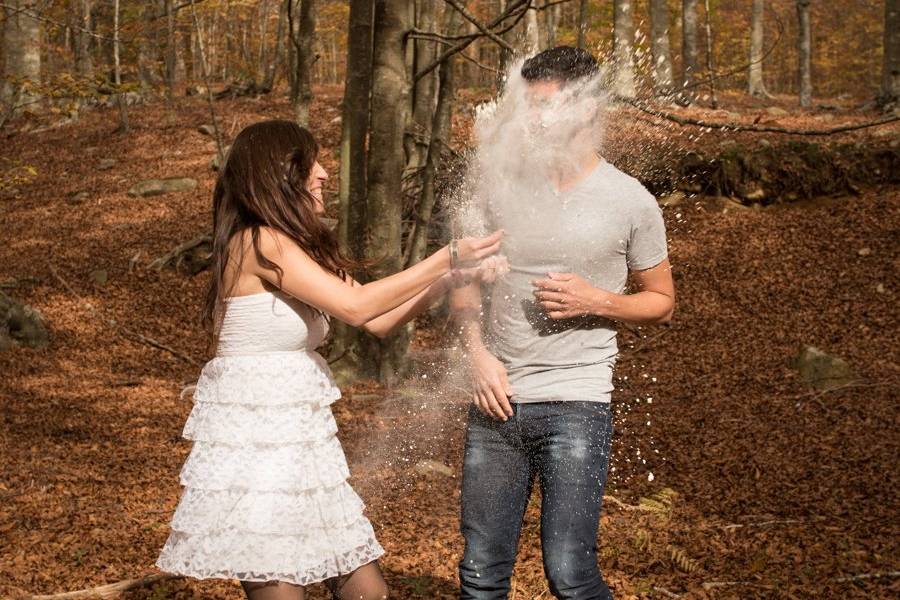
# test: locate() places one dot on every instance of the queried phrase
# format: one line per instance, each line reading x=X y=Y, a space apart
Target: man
x=576 y=229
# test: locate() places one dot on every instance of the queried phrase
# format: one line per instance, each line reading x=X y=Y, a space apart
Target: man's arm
x=491 y=386
x=567 y=295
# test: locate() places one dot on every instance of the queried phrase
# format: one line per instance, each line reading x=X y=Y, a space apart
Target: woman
x=266 y=499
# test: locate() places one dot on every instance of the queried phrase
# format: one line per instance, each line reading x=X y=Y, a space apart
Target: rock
x=106 y=164
x=825 y=117
x=765 y=143
x=21 y=325
x=673 y=199
x=777 y=111
x=194 y=90
x=99 y=276
x=155 y=187
x=879 y=288
x=207 y=130
x=214 y=162
x=754 y=194
x=426 y=467
x=821 y=370
x=79 y=197
x=864 y=251
x=337 y=119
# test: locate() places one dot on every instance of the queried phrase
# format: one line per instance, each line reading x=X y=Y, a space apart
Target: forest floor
x=761 y=487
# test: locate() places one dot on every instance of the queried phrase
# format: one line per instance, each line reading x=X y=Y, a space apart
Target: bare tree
x=659 y=46
x=171 y=50
x=582 y=22
x=551 y=22
x=21 y=51
x=390 y=103
x=280 y=37
x=84 y=65
x=755 y=84
x=690 y=62
x=440 y=138
x=890 y=70
x=804 y=51
x=424 y=90
x=303 y=36
x=623 y=47
x=710 y=56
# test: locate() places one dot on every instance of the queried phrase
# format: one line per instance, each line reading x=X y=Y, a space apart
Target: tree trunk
x=582 y=22
x=146 y=48
x=890 y=70
x=532 y=38
x=21 y=51
x=551 y=23
x=623 y=47
x=804 y=51
x=352 y=195
x=304 y=47
x=690 y=63
x=390 y=101
x=659 y=46
x=710 y=57
x=262 y=55
x=424 y=90
x=755 y=84
x=84 y=65
x=280 y=37
x=171 y=51
x=440 y=138
x=117 y=66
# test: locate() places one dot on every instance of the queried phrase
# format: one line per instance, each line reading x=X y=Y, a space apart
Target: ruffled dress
x=266 y=496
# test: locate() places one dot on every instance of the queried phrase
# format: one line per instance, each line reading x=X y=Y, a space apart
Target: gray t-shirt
x=605 y=225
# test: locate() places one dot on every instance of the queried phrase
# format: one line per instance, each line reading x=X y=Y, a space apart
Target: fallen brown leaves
x=777 y=493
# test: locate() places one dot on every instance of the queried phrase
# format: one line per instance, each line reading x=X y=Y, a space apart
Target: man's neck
x=564 y=179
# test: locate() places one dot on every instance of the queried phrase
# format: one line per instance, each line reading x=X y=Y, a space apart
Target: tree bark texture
x=755 y=84
x=304 y=46
x=390 y=103
x=21 y=51
x=690 y=62
x=804 y=53
x=659 y=46
x=623 y=47
x=890 y=71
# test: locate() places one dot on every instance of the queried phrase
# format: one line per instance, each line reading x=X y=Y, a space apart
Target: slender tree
x=390 y=102
x=890 y=70
x=710 y=56
x=171 y=50
x=21 y=51
x=303 y=35
x=804 y=51
x=690 y=62
x=659 y=46
x=582 y=22
x=755 y=84
x=280 y=37
x=623 y=47
x=84 y=64
x=424 y=90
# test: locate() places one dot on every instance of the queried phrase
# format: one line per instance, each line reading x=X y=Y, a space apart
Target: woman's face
x=317 y=179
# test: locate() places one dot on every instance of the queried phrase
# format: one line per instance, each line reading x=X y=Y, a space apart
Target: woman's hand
x=487 y=271
x=472 y=250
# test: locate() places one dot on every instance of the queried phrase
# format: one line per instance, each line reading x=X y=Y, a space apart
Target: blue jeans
x=566 y=446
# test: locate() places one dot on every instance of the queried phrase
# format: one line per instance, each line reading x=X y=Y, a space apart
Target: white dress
x=265 y=485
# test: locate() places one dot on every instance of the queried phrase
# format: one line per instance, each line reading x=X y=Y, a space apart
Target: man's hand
x=567 y=295
x=492 y=389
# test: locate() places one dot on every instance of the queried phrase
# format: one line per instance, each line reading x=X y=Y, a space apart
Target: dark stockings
x=272 y=590
x=365 y=583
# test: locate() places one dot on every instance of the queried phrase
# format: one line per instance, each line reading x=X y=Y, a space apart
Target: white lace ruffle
x=243 y=424
x=268 y=379
x=266 y=496
x=288 y=467
x=313 y=512
x=299 y=559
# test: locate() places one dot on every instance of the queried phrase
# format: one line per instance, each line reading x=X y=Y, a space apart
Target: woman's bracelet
x=454 y=253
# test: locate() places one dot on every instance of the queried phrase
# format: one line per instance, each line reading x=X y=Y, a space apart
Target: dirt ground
x=761 y=487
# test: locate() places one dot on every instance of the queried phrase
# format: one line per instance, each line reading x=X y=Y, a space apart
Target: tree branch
x=461 y=9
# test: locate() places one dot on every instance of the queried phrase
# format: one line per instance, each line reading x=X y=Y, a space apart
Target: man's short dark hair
x=563 y=63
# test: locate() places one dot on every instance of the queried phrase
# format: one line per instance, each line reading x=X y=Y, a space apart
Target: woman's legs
x=272 y=590
x=365 y=583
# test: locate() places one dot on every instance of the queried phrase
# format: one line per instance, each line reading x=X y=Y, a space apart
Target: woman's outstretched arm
x=303 y=278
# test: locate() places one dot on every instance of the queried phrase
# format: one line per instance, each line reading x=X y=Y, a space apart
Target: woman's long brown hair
x=263 y=184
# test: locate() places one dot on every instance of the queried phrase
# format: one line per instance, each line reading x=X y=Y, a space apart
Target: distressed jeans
x=566 y=446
